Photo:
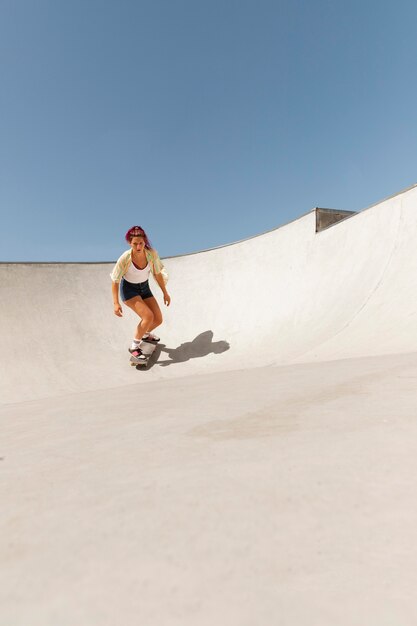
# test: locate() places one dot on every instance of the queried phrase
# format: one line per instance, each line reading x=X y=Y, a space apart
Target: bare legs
x=149 y=312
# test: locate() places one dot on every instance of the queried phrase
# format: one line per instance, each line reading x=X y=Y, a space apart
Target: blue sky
x=203 y=121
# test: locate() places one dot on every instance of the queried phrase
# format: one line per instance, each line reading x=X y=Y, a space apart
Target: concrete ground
x=263 y=471
x=284 y=495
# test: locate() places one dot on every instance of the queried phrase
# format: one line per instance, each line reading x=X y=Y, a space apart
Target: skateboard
x=141 y=359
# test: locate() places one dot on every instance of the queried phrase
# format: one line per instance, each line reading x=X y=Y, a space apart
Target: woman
x=131 y=272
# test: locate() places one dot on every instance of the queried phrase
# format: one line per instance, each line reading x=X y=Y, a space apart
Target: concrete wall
x=327 y=217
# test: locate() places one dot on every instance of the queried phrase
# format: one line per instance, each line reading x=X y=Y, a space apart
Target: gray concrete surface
x=262 y=471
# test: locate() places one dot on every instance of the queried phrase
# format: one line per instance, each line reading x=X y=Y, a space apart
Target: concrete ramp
x=292 y=295
x=264 y=474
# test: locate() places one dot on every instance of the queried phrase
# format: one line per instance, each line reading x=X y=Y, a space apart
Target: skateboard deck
x=141 y=360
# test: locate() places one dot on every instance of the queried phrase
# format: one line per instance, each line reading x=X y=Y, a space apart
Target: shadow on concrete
x=199 y=347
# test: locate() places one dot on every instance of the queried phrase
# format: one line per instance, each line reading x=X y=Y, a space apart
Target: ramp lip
x=302 y=216
x=175 y=256
x=232 y=243
x=361 y=211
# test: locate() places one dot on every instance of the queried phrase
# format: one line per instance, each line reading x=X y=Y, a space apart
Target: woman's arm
x=157 y=266
x=117 y=274
x=159 y=279
x=116 y=304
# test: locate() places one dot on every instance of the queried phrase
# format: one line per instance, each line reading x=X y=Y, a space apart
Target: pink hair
x=137 y=231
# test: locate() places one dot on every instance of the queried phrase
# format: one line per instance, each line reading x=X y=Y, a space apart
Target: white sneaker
x=137 y=356
x=150 y=337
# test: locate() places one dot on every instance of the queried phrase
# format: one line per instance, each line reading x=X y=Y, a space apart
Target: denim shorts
x=131 y=290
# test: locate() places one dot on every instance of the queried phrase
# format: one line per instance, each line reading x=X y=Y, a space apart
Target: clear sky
x=204 y=121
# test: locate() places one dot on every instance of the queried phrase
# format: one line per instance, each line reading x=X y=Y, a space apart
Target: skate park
x=260 y=471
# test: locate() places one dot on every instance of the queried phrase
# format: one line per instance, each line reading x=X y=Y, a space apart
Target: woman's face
x=137 y=244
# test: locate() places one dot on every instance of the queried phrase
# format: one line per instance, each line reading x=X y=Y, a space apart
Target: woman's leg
x=145 y=313
x=157 y=315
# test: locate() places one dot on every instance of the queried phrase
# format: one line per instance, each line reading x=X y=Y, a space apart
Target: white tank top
x=134 y=275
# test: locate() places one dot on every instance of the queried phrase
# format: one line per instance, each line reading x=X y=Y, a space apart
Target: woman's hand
x=167 y=298
x=118 y=310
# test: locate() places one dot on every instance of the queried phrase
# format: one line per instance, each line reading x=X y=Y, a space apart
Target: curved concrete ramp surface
x=289 y=296
x=264 y=474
